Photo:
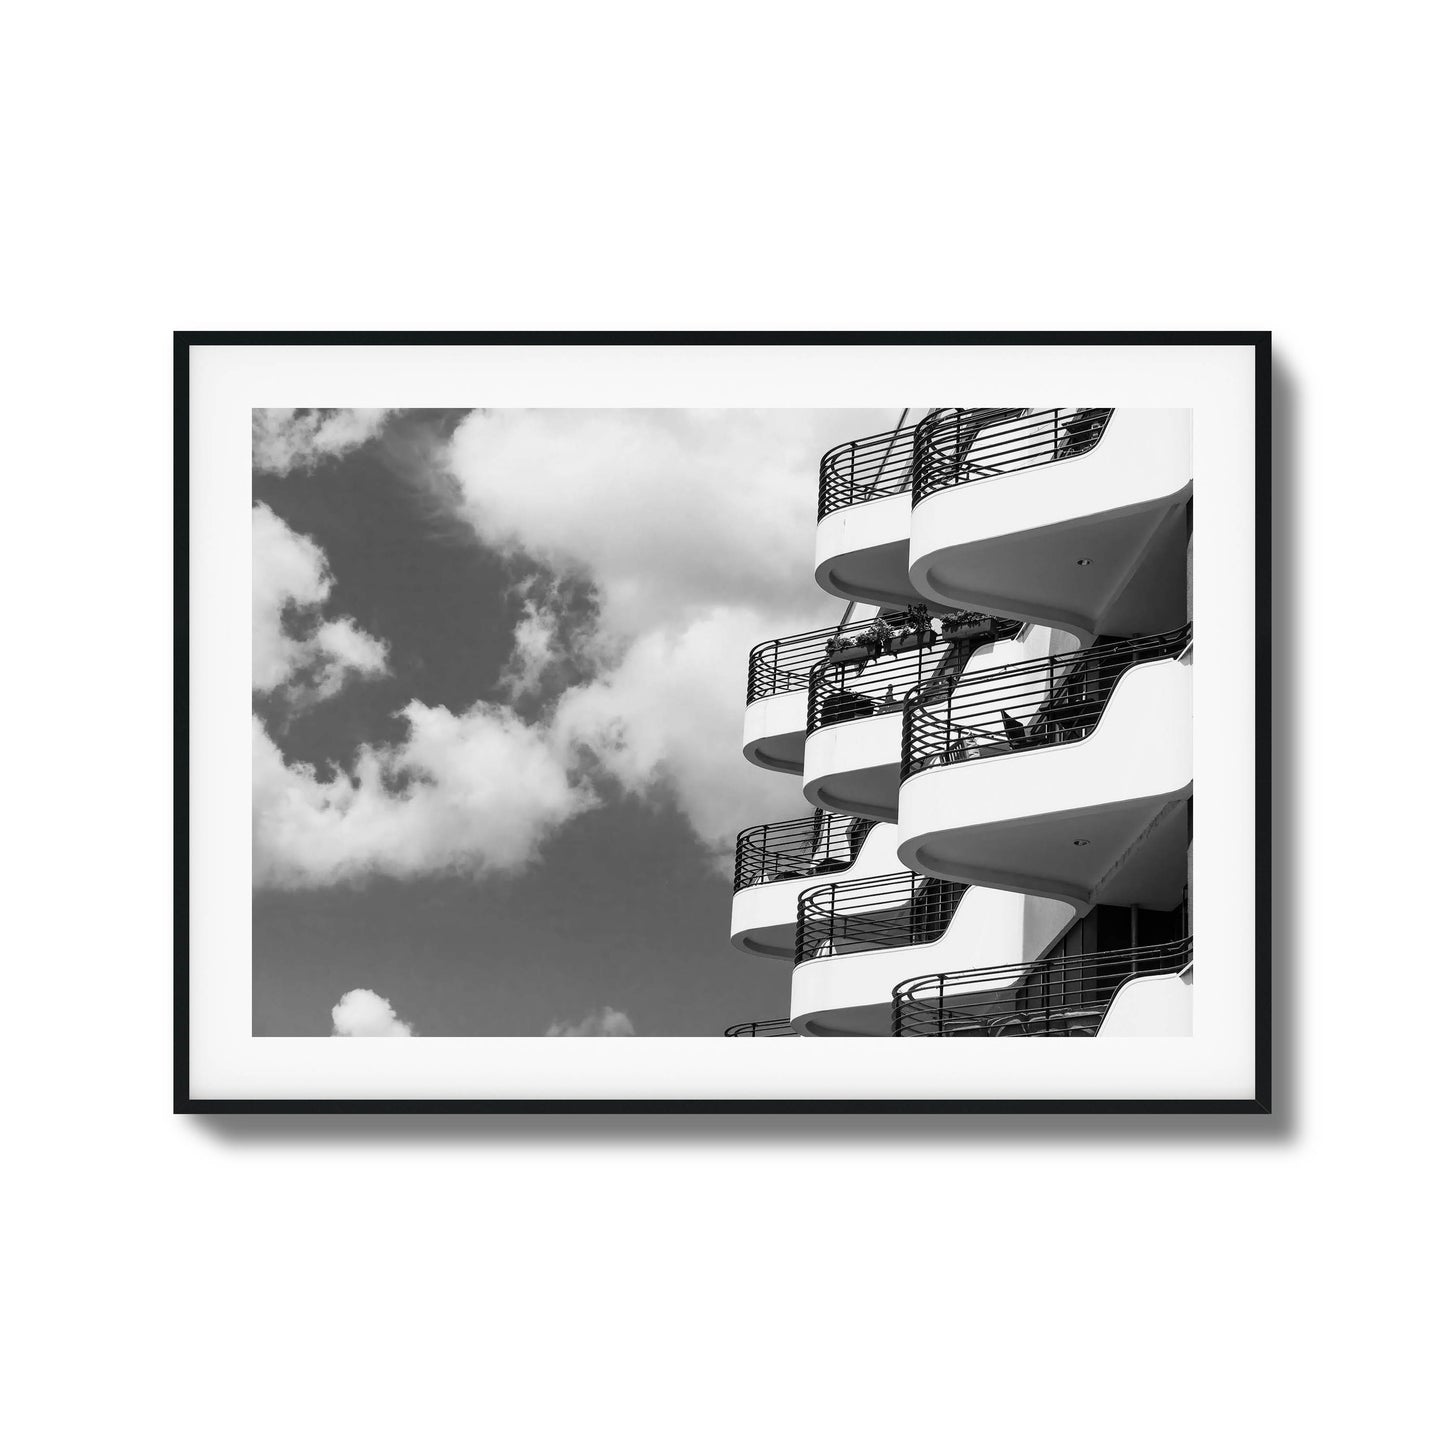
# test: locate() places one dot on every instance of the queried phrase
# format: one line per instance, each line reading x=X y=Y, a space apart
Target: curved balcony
x=1064 y=777
x=775 y=721
x=776 y=862
x=1074 y=517
x=762 y=1029
x=855 y=938
x=854 y=719
x=1055 y=998
x=864 y=501
x=855 y=943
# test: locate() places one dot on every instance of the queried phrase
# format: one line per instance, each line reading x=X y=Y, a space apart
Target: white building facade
x=995 y=740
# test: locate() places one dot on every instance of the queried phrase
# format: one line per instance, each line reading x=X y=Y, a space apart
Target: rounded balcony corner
x=1045 y=515
x=1066 y=778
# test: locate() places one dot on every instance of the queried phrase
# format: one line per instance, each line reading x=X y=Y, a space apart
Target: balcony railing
x=959 y=445
x=785 y=663
x=1023 y=705
x=1057 y=997
x=798 y=848
x=841 y=691
x=763 y=1029
x=866 y=469
x=864 y=914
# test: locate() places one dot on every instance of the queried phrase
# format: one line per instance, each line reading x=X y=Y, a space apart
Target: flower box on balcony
x=961 y=631
x=854 y=652
x=910 y=639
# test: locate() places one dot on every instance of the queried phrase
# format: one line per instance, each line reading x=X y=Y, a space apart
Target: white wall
x=1146 y=1008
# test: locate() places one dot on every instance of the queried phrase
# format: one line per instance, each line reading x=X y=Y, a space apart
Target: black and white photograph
x=755 y=723
x=701 y=721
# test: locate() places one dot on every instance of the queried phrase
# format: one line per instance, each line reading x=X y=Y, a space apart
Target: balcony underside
x=774 y=729
x=1134 y=580
x=1013 y=544
x=763 y=940
x=852 y=767
x=1130 y=853
x=862 y=552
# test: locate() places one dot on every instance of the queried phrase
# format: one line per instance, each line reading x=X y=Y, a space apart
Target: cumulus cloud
x=659 y=548
x=543 y=639
x=292 y=647
x=288 y=439
x=663 y=509
x=362 y=1014
x=603 y=1023
x=694 y=531
x=666 y=718
x=468 y=793
x=471 y=793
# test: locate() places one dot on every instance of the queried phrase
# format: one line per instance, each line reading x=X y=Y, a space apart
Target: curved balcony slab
x=1013 y=543
x=1152 y=1008
x=1094 y=821
x=774 y=729
x=851 y=994
x=852 y=767
x=861 y=552
x=765 y=915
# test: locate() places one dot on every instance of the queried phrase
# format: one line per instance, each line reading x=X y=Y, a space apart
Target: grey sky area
x=499 y=668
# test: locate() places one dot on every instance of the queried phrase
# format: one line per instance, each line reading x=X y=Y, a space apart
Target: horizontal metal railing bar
x=1023 y=705
x=1058 y=995
x=1179 y=948
x=958 y=445
x=1001 y=435
x=842 y=692
x=865 y=469
x=798 y=848
x=783 y=664
x=762 y=1029
x=896 y=910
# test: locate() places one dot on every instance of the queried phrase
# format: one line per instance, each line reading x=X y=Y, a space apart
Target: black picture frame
x=1258 y=341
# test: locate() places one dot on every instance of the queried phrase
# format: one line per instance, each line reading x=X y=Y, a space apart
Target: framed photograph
x=618 y=700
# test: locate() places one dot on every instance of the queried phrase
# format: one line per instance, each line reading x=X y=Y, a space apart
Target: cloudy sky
x=499 y=671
